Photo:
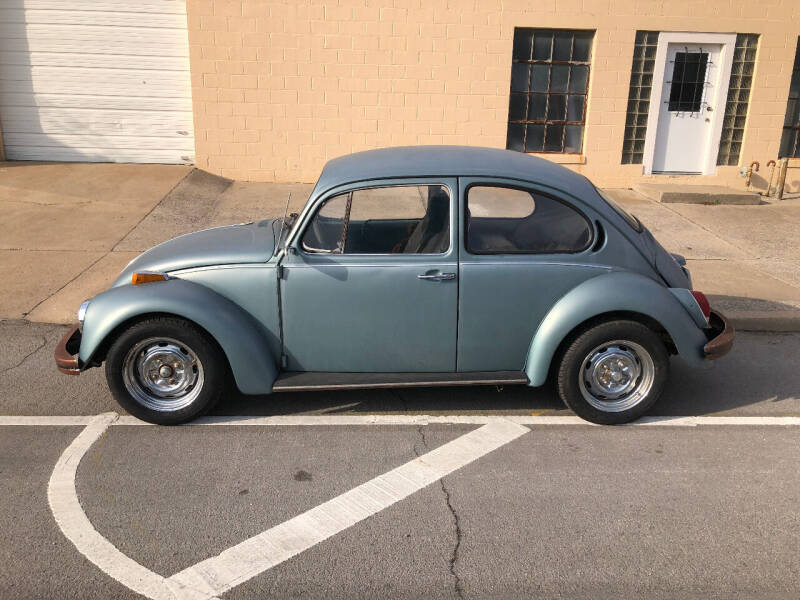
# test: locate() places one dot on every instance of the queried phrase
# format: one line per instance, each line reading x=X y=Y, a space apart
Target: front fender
x=613 y=292
x=241 y=337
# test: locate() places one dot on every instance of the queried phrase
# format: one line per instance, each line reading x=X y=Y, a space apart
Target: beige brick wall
x=281 y=87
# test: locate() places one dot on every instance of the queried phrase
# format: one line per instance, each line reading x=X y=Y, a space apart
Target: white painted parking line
x=246 y=560
x=75 y=525
x=218 y=574
x=46 y=420
x=317 y=420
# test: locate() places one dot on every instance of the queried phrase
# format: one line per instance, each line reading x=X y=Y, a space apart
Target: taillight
x=702 y=302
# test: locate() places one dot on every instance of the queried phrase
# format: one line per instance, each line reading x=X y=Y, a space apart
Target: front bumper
x=66 y=351
x=720 y=336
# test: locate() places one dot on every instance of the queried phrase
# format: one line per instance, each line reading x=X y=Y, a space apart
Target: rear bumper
x=66 y=352
x=720 y=336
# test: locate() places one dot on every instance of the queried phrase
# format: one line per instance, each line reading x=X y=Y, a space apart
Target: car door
x=371 y=282
x=523 y=248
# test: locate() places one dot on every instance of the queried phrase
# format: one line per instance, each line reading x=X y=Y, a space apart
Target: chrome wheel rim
x=616 y=376
x=162 y=374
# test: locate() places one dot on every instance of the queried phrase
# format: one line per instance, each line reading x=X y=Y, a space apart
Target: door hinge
x=284 y=361
x=280 y=271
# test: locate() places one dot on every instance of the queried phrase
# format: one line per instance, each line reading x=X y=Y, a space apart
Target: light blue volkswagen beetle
x=417 y=266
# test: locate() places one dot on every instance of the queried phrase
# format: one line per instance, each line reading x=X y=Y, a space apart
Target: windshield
x=629 y=218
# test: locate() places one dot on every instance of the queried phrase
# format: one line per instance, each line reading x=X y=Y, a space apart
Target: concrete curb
x=780 y=321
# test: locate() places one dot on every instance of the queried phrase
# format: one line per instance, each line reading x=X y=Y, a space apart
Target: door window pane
x=502 y=220
x=324 y=235
x=688 y=81
x=383 y=220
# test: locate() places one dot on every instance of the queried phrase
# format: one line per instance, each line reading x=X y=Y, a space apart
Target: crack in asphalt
x=31 y=353
x=457 y=586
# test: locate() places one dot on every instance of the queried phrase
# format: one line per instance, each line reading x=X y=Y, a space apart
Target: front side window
x=503 y=220
x=549 y=80
x=412 y=219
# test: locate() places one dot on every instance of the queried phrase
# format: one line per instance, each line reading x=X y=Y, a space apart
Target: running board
x=300 y=381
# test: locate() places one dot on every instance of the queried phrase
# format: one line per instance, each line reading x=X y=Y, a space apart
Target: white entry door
x=689 y=97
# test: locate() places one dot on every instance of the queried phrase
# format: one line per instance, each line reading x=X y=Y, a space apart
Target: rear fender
x=241 y=337
x=614 y=292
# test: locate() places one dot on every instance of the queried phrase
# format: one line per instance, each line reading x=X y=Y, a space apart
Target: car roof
x=449 y=161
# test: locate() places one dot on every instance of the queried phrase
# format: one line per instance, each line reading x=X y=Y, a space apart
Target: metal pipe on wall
x=783 y=166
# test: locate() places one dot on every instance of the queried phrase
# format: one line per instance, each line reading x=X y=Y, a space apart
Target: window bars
x=549 y=82
x=688 y=82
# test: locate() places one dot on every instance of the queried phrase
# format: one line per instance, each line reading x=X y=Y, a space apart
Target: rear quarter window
x=504 y=220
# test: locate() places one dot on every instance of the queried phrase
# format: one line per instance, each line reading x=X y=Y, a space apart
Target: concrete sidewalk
x=69 y=229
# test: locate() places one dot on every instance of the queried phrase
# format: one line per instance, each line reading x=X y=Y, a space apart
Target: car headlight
x=82 y=314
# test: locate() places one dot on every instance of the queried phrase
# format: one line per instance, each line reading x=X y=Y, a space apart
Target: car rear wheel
x=614 y=372
x=165 y=370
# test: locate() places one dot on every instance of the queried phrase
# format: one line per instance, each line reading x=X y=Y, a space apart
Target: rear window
x=629 y=218
x=504 y=220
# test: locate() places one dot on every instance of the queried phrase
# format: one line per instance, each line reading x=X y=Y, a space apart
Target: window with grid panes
x=744 y=61
x=644 y=60
x=790 y=140
x=549 y=80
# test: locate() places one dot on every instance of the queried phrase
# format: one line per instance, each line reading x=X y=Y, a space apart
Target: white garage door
x=95 y=80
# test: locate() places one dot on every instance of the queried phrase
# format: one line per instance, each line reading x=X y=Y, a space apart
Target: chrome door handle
x=438 y=276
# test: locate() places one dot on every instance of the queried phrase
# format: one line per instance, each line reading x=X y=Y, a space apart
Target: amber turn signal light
x=138 y=278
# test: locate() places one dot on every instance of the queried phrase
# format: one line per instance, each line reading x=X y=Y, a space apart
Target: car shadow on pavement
x=757 y=377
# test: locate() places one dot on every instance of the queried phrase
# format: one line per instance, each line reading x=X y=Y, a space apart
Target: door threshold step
x=306 y=381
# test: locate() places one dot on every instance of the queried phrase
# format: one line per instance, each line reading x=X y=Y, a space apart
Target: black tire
x=200 y=358
x=575 y=376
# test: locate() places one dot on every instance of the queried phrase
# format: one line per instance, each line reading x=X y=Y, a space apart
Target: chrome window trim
x=295 y=239
x=490 y=262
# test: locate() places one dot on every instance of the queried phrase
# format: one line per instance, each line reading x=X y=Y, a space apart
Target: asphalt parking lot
x=498 y=493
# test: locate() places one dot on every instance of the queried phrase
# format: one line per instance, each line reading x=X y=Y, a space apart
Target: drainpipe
x=784 y=165
x=755 y=164
x=771 y=165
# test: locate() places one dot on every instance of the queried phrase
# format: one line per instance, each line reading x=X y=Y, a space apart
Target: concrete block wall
x=280 y=87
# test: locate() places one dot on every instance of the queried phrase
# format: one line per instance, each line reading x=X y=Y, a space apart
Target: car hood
x=232 y=244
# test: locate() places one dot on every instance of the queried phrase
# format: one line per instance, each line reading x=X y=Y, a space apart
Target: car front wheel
x=165 y=370
x=614 y=372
